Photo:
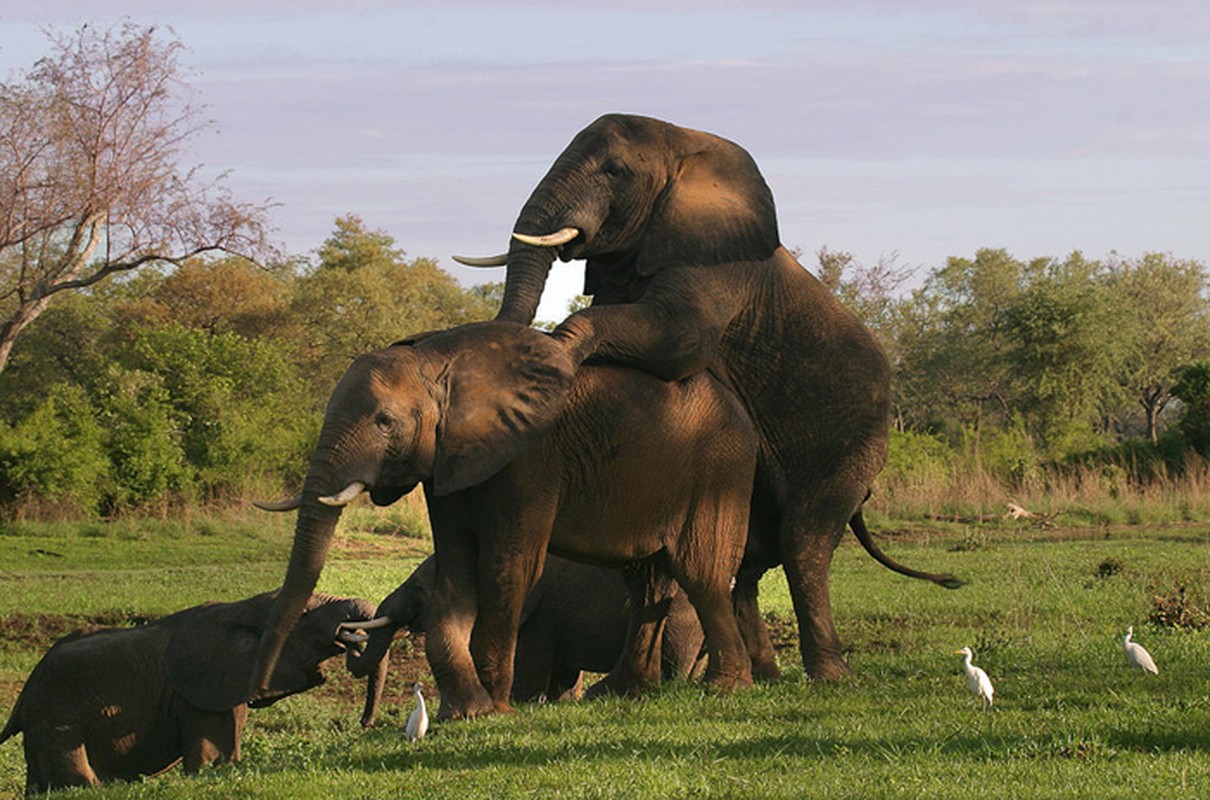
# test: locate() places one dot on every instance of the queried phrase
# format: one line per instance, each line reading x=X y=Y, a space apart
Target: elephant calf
x=118 y=703
x=574 y=620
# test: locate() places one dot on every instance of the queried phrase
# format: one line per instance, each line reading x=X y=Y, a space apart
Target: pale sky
x=924 y=128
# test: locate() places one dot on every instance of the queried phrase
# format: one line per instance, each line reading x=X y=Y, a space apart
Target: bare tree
x=89 y=180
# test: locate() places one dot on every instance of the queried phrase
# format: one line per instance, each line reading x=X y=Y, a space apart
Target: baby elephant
x=109 y=704
x=574 y=620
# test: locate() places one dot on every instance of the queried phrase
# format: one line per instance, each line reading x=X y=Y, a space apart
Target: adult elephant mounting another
x=679 y=232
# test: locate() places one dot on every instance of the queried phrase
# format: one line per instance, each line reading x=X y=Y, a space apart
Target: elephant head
x=634 y=195
x=210 y=654
x=403 y=608
x=450 y=409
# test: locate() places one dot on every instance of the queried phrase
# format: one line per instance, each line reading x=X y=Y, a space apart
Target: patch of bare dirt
x=40 y=631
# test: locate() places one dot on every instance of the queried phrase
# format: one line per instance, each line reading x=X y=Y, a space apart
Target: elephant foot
x=611 y=686
x=766 y=672
x=828 y=669
x=726 y=684
x=452 y=709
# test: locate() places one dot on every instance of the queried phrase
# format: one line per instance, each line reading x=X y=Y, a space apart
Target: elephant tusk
x=281 y=505
x=346 y=495
x=367 y=624
x=559 y=237
x=486 y=261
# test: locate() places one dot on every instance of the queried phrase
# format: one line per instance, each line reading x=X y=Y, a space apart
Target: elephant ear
x=505 y=386
x=716 y=209
x=210 y=655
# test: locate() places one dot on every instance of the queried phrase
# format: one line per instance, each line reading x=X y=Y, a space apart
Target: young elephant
x=613 y=467
x=574 y=620
x=109 y=704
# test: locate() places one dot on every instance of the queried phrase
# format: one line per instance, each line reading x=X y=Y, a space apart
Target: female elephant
x=679 y=232
x=117 y=703
x=574 y=620
x=630 y=469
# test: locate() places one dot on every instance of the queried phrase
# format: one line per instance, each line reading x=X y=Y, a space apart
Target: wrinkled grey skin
x=573 y=621
x=611 y=467
x=118 y=703
x=679 y=232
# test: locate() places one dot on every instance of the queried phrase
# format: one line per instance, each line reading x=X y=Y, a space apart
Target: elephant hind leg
x=49 y=767
x=808 y=539
x=752 y=626
x=637 y=670
x=728 y=667
x=707 y=583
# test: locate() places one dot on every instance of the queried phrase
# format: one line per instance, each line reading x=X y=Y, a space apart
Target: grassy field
x=1044 y=610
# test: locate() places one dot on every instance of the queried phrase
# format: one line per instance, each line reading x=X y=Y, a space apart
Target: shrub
x=1176 y=609
x=56 y=453
x=144 y=440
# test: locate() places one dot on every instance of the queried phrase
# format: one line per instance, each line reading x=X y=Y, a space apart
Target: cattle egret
x=418 y=723
x=1137 y=654
x=976 y=679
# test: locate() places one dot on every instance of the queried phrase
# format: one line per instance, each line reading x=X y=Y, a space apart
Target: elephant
x=679 y=232
x=109 y=704
x=497 y=428
x=574 y=620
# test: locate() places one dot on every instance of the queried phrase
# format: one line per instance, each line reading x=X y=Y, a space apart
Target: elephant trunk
x=373 y=668
x=312 y=536
x=547 y=210
x=376 y=681
x=528 y=267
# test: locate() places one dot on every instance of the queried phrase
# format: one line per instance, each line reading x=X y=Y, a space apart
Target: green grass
x=1070 y=719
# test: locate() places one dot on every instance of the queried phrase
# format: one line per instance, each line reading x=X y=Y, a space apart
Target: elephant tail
x=857 y=523
x=13 y=726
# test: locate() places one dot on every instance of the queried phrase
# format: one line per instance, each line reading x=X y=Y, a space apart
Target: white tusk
x=281 y=505
x=346 y=496
x=555 y=239
x=487 y=261
x=367 y=624
x=353 y=638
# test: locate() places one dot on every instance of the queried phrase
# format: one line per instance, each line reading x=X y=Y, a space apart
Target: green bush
x=144 y=444
x=242 y=424
x=917 y=458
x=56 y=453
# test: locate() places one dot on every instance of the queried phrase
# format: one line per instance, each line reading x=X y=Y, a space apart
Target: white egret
x=418 y=722
x=1137 y=654
x=976 y=679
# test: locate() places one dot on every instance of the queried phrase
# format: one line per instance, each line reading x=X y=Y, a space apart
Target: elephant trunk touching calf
x=119 y=703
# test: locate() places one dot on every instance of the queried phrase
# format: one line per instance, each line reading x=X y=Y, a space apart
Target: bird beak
x=957 y=652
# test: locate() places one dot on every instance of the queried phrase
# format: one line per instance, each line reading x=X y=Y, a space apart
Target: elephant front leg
x=210 y=737
x=448 y=624
x=507 y=576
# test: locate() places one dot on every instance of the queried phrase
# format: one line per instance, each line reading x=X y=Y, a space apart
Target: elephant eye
x=613 y=168
x=384 y=421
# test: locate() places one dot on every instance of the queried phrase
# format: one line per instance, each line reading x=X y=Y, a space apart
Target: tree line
x=204 y=381
x=1026 y=365
x=172 y=365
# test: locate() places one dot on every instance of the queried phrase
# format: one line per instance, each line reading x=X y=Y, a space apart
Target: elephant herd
x=714 y=413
